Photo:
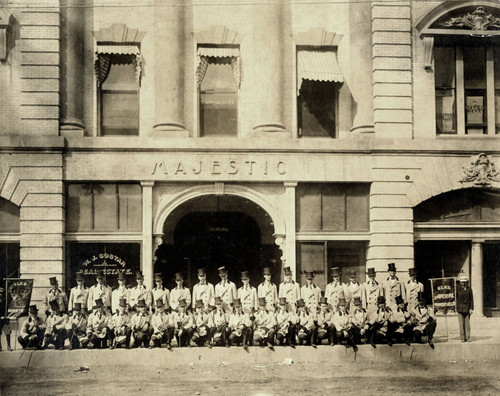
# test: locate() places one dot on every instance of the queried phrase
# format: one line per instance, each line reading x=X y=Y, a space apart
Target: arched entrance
x=210 y=231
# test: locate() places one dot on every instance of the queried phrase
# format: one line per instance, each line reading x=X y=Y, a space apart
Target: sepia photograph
x=249 y=197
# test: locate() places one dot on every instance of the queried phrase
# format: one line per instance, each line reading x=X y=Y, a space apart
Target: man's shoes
x=431 y=344
x=373 y=345
x=355 y=347
x=407 y=342
x=463 y=340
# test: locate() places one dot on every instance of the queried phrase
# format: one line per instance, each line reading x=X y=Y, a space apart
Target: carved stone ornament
x=478 y=20
x=481 y=171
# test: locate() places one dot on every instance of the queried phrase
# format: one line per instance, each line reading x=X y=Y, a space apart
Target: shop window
x=218 y=81
x=319 y=80
x=9 y=217
x=104 y=207
x=332 y=207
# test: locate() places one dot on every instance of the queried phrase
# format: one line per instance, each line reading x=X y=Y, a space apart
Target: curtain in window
x=217 y=54
x=317 y=66
x=120 y=54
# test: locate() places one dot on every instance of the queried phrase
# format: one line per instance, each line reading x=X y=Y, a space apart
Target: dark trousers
x=97 y=341
x=464 y=325
x=307 y=336
x=31 y=340
x=163 y=337
x=185 y=338
x=398 y=336
x=235 y=339
x=112 y=337
x=325 y=333
x=357 y=336
x=263 y=340
x=428 y=331
x=222 y=339
x=56 y=338
x=289 y=338
x=73 y=339
x=141 y=338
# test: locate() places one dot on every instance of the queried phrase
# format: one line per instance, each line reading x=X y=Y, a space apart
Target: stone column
x=267 y=66
x=290 y=248
x=147 y=232
x=476 y=276
x=72 y=63
x=169 y=68
x=361 y=79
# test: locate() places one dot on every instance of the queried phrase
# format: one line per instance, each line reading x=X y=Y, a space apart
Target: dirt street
x=449 y=378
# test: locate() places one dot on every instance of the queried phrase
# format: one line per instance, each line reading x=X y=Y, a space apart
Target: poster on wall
x=18 y=296
x=111 y=258
x=443 y=295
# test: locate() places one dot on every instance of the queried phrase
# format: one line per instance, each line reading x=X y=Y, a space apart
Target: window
x=118 y=71
x=218 y=82
x=319 y=80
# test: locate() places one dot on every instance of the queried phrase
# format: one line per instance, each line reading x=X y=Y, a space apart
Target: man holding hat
x=393 y=286
x=373 y=290
x=290 y=290
x=359 y=320
x=264 y=325
x=268 y=290
x=120 y=330
x=97 y=326
x=162 y=325
x=239 y=324
x=99 y=291
x=465 y=307
x=76 y=327
x=202 y=325
x=310 y=293
x=79 y=293
x=400 y=324
x=424 y=323
x=343 y=326
x=286 y=324
x=55 y=294
x=334 y=289
x=379 y=322
x=247 y=295
x=225 y=289
x=55 y=332
x=183 y=324
x=325 y=327
x=306 y=330
x=139 y=292
x=179 y=292
x=122 y=292
x=354 y=289
x=32 y=329
x=220 y=320
x=140 y=323
x=203 y=290
x=412 y=288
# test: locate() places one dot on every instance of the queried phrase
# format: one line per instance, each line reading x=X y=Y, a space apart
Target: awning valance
x=205 y=53
x=102 y=60
x=317 y=66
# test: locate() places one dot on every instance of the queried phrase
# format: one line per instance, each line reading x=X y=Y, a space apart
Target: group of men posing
x=350 y=313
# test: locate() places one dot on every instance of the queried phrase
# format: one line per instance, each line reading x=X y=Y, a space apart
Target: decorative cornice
x=219 y=35
x=118 y=33
x=477 y=20
x=318 y=37
x=481 y=171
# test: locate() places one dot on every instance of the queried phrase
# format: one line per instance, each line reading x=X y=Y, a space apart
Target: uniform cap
x=463 y=278
x=353 y=273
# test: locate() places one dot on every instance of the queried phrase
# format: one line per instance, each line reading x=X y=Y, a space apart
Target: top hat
x=420 y=296
x=266 y=271
x=342 y=302
x=182 y=303
x=217 y=300
x=79 y=276
x=335 y=271
x=100 y=274
x=244 y=275
x=282 y=301
x=138 y=275
x=53 y=280
x=237 y=302
x=287 y=271
x=380 y=300
x=141 y=303
x=199 y=304
x=54 y=304
x=222 y=270
x=158 y=276
x=121 y=276
x=178 y=276
x=391 y=267
x=99 y=302
x=370 y=271
x=399 y=300
x=77 y=306
x=33 y=309
x=122 y=302
x=353 y=273
x=357 y=300
x=201 y=271
x=323 y=300
x=412 y=271
x=159 y=303
x=309 y=274
x=301 y=303
x=262 y=301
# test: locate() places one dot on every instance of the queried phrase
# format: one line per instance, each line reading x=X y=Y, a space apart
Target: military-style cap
x=282 y=301
x=141 y=303
x=138 y=275
x=199 y=304
x=182 y=303
x=100 y=274
x=121 y=276
x=222 y=270
x=159 y=303
x=399 y=300
x=54 y=304
x=287 y=271
x=244 y=275
x=262 y=301
x=353 y=273
x=309 y=274
x=357 y=301
x=391 y=267
x=77 y=307
x=335 y=271
x=463 y=278
x=122 y=302
x=158 y=276
x=370 y=271
x=99 y=302
x=342 y=302
x=201 y=271
x=53 y=280
x=380 y=300
x=178 y=276
x=79 y=276
x=33 y=309
x=217 y=300
x=237 y=302
x=412 y=271
x=266 y=271
x=323 y=300
x=301 y=303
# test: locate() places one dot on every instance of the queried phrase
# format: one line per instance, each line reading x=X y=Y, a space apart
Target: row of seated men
x=220 y=327
x=367 y=292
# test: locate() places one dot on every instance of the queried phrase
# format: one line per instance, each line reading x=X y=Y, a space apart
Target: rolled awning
x=318 y=66
x=203 y=55
x=102 y=60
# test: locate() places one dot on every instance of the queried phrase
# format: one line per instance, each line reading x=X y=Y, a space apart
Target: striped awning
x=317 y=66
x=102 y=59
x=205 y=53
x=219 y=52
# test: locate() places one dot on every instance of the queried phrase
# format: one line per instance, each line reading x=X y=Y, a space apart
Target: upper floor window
x=319 y=80
x=218 y=78
x=118 y=69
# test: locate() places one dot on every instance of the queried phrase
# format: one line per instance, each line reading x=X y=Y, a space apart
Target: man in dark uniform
x=465 y=307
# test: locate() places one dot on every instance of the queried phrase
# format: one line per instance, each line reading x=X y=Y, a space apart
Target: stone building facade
x=165 y=136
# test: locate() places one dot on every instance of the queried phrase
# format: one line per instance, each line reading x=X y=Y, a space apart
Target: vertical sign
x=444 y=295
x=18 y=296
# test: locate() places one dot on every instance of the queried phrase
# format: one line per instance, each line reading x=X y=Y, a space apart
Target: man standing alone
x=465 y=307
